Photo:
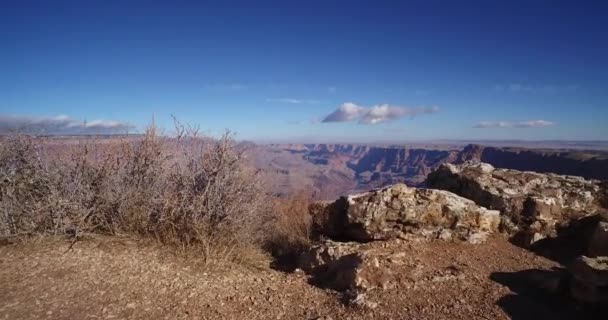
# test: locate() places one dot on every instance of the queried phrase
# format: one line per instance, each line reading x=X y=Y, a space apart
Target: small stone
x=360 y=300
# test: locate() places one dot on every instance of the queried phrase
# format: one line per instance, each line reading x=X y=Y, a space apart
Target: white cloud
x=294 y=101
x=346 y=112
x=60 y=124
x=520 y=124
x=375 y=114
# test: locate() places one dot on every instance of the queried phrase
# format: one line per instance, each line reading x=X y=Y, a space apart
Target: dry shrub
x=25 y=187
x=291 y=233
x=187 y=191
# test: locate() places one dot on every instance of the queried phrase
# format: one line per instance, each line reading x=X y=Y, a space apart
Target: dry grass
x=185 y=191
x=291 y=232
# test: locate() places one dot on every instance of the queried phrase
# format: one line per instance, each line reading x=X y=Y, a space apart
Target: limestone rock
x=531 y=203
x=590 y=280
x=398 y=210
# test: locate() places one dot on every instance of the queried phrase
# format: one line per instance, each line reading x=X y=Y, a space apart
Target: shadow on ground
x=541 y=294
x=572 y=240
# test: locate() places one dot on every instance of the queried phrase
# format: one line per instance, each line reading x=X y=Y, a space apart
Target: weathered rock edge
x=533 y=205
x=401 y=212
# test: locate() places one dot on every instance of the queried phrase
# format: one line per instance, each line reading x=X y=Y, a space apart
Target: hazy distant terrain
x=329 y=170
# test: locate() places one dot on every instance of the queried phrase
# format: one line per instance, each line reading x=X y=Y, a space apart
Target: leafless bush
x=25 y=186
x=186 y=191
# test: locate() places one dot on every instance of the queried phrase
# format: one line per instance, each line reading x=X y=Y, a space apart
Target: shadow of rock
x=541 y=294
x=571 y=241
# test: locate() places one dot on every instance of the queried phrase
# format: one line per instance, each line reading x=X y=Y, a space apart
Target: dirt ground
x=108 y=278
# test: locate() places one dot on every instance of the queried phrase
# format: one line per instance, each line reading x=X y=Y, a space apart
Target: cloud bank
x=376 y=114
x=61 y=124
x=508 y=124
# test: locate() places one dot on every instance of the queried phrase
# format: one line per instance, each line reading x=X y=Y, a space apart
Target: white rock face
x=398 y=211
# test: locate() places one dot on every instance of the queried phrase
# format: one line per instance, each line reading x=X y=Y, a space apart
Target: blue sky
x=315 y=70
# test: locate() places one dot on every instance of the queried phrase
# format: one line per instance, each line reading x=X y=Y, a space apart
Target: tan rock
x=345 y=266
x=530 y=202
x=397 y=210
x=322 y=254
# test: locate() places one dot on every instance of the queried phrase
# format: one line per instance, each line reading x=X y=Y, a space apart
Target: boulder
x=345 y=266
x=400 y=212
x=590 y=280
x=532 y=204
x=320 y=255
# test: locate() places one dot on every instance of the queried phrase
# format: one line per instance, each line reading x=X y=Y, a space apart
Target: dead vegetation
x=292 y=227
x=186 y=191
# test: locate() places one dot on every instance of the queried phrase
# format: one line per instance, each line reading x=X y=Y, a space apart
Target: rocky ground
x=110 y=278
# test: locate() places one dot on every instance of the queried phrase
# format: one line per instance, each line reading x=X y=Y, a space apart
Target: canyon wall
x=330 y=170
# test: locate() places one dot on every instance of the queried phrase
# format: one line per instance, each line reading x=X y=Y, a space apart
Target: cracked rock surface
x=532 y=204
x=400 y=212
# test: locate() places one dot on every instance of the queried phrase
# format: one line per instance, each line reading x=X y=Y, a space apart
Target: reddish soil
x=109 y=278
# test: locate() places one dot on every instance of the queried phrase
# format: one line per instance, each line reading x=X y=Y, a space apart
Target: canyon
x=330 y=170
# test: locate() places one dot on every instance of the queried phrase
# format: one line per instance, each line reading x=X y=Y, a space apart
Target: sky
x=309 y=71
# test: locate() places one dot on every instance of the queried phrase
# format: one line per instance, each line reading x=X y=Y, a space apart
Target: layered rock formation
x=533 y=205
x=587 y=164
x=338 y=169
